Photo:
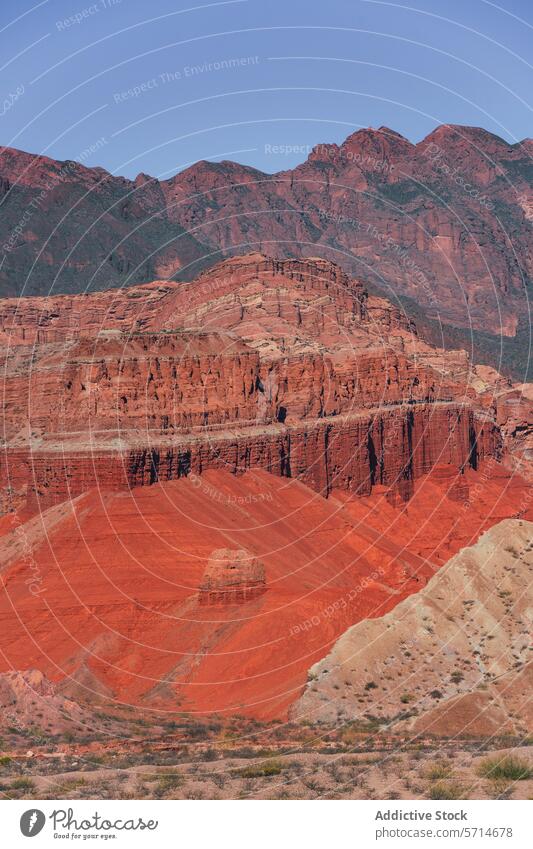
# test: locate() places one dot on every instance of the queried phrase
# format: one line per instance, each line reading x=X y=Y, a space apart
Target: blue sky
x=154 y=86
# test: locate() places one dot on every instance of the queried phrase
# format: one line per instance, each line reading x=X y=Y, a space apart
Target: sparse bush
x=446 y=790
x=509 y=768
x=24 y=784
x=438 y=770
x=166 y=784
x=209 y=755
x=219 y=780
x=265 y=769
x=499 y=789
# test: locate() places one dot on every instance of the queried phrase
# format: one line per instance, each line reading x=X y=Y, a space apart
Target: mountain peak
x=382 y=142
x=458 y=134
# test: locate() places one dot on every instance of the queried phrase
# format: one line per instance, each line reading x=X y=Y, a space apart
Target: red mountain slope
x=105 y=595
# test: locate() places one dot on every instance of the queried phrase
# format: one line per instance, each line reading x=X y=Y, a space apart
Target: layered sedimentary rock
x=354 y=453
x=288 y=366
x=514 y=409
x=28 y=696
x=232 y=577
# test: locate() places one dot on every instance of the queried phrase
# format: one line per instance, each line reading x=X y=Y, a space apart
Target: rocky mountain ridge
x=445 y=223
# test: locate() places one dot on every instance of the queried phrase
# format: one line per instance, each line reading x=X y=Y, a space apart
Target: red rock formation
x=393 y=447
x=232 y=577
x=289 y=366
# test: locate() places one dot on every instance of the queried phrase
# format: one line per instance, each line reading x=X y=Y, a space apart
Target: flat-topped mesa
x=232 y=577
x=254 y=341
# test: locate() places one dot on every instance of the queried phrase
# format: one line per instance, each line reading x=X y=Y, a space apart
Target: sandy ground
x=442 y=772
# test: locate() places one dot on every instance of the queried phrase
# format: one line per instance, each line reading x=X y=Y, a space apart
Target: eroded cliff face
x=392 y=448
x=289 y=366
x=514 y=416
x=227 y=474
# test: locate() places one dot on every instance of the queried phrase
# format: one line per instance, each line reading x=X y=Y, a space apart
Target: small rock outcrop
x=232 y=576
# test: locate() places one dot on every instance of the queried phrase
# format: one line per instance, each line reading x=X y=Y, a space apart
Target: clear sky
x=154 y=85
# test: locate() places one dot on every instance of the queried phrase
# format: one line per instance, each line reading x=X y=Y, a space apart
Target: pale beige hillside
x=452 y=659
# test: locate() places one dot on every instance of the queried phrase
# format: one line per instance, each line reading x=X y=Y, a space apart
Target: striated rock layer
x=289 y=366
x=392 y=448
x=232 y=577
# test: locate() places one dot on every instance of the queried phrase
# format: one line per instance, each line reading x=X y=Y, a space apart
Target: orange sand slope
x=102 y=593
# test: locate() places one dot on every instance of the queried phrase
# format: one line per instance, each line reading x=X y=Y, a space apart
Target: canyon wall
x=392 y=448
x=289 y=366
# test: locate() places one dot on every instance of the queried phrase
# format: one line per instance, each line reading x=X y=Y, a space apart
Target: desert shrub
x=70 y=786
x=509 y=767
x=267 y=768
x=209 y=755
x=196 y=732
x=22 y=783
x=438 y=770
x=166 y=784
x=283 y=794
x=219 y=780
x=446 y=790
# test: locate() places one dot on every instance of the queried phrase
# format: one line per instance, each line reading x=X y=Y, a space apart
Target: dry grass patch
x=508 y=768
